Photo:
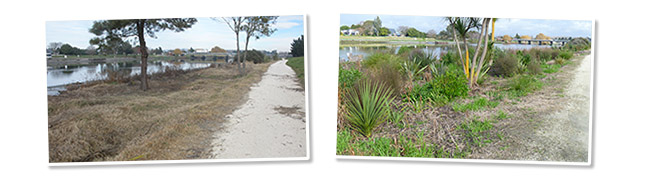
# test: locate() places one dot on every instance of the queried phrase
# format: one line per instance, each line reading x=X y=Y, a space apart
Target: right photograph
x=465 y=89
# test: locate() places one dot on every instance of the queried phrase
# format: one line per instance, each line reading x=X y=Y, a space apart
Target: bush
x=422 y=58
x=403 y=50
x=522 y=85
x=377 y=59
x=450 y=57
x=534 y=67
x=505 y=65
x=388 y=76
x=441 y=90
x=566 y=55
x=348 y=78
x=367 y=106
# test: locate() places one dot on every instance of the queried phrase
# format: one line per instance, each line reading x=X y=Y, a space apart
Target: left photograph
x=213 y=89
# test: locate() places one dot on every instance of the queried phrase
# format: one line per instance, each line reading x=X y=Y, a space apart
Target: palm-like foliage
x=367 y=106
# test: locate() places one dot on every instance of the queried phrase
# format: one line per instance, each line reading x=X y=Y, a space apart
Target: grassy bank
x=298 y=66
x=432 y=112
x=175 y=119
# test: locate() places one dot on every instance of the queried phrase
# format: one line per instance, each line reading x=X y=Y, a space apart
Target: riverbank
x=173 y=120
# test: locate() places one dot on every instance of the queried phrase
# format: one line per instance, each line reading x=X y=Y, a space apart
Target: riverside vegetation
x=414 y=104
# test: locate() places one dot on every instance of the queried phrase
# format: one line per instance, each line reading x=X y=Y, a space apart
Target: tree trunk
x=246 y=50
x=482 y=60
x=466 y=63
x=238 y=55
x=144 y=84
x=460 y=52
x=472 y=80
x=493 y=20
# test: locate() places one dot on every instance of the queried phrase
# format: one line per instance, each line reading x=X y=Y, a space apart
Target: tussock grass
x=173 y=120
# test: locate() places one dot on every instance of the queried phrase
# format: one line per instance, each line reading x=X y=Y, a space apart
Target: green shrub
x=404 y=50
x=367 y=106
x=422 y=58
x=560 y=61
x=388 y=76
x=377 y=59
x=442 y=89
x=566 y=54
x=534 y=67
x=348 y=77
x=451 y=57
x=505 y=65
x=521 y=85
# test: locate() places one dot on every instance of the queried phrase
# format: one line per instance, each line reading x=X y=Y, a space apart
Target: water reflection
x=58 y=77
x=351 y=51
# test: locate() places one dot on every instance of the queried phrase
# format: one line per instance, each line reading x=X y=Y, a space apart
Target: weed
x=476 y=131
x=348 y=77
x=521 y=85
x=501 y=115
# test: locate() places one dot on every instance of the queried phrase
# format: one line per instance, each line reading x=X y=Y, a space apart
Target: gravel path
x=562 y=134
x=270 y=124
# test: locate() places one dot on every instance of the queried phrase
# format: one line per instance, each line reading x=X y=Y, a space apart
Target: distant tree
x=412 y=32
x=355 y=26
x=138 y=28
x=431 y=33
x=217 y=49
x=53 y=47
x=517 y=36
x=367 y=28
x=191 y=50
x=158 y=50
x=297 y=47
x=384 y=31
x=177 y=52
x=257 y=26
x=507 y=38
x=68 y=49
x=402 y=30
x=376 y=24
x=255 y=56
x=344 y=27
x=91 y=50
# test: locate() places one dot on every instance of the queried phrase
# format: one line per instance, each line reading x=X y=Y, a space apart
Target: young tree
x=235 y=24
x=376 y=24
x=257 y=26
x=53 y=47
x=191 y=50
x=138 y=28
x=297 y=47
x=403 y=30
x=462 y=25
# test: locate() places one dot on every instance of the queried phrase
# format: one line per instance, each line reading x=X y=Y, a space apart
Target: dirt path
x=559 y=127
x=270 y=124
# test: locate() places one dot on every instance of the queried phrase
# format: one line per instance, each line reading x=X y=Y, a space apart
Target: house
x=350 y=32
x=201 y=51
x=393 y=32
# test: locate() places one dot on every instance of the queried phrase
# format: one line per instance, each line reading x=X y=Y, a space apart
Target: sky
x=205 y=33
x=503 y=26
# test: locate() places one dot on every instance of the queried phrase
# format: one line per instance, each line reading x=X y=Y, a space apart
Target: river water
x=344 y=52
x=58 y=77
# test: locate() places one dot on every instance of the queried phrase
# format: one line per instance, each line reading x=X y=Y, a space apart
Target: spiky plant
x=367 y=106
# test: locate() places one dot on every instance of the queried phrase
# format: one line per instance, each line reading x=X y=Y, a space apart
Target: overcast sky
x=205 y=33
x=532 y=27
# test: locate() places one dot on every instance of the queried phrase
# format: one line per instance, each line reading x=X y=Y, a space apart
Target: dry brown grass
x=173 y=120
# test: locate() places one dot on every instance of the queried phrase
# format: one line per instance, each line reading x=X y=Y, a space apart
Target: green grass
x=522 y=85
x=553 y=68
x=478 y=104
x=387 y=147
x=476 y=131
x=298 y=66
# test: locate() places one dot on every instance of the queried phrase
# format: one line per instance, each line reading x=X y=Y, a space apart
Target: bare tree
x=235 y=24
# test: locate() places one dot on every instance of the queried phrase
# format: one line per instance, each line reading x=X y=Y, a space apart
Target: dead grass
x=175 y=119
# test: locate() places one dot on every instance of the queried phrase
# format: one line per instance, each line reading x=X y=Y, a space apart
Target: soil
x=270 y=124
